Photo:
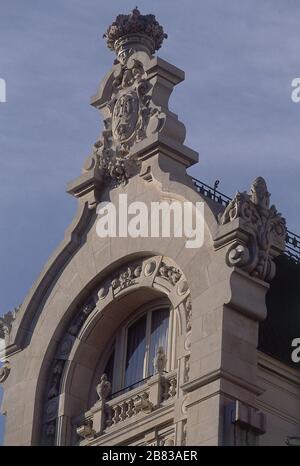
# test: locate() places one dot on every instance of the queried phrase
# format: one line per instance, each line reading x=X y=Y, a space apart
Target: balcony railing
x=105 y=414
x=211 y=193
x=293 y=246
x=292 y=239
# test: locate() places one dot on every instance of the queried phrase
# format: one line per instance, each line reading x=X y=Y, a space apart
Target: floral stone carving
x=126 y=277
x=170 y=273
x=188 y=313
x=263 y=231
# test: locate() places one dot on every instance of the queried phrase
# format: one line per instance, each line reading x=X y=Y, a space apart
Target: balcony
x=106 y=417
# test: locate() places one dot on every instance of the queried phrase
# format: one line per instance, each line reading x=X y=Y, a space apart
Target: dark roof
x=282 y=324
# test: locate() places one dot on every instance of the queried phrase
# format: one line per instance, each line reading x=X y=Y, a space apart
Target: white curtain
x=159 y=335
x=136 y=347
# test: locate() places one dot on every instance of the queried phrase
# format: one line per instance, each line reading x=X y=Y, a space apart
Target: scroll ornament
x=265 y=229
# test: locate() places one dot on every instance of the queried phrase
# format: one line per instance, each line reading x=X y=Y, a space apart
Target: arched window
x=132 y=355
x=143 y=340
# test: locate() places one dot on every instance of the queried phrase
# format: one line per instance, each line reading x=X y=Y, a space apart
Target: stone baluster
x=130 y=410
x=172 y=387
x=116 y=414
x=123 y=413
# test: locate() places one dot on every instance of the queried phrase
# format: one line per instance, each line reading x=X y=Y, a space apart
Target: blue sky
x=239 y=57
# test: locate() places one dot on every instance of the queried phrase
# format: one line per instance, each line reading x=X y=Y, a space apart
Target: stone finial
x=134 y=101
x=135 y=32
x=262 y=231
x=160 y=360
x=259 y=193
x=103 y=388
x=6 y=322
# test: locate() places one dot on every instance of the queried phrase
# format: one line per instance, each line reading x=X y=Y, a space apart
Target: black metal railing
x=292 y=239
x=211 y=193
x=128 y=388
x=293 y=246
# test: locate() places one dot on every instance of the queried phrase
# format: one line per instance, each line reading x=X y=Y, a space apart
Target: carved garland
x=126 y=277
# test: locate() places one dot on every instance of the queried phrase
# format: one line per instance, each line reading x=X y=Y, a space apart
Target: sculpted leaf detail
x=265 y=227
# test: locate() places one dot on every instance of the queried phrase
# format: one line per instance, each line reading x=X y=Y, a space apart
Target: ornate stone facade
x=133 y=275
x=58 y=348
x=131 y=113
x=133 y=100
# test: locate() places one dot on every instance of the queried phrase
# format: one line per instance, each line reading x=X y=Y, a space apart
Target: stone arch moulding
x=157 y=276
x=23 y=327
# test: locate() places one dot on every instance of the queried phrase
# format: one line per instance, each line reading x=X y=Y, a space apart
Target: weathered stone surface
x=91 y=290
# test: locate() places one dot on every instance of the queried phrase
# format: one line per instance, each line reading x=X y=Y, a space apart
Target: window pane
x=136 y=347
x=109 y=368
x=159 y=335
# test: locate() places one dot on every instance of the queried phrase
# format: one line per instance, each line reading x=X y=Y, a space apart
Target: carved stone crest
x=126 y=98
x=125 y=116
x=129 y=112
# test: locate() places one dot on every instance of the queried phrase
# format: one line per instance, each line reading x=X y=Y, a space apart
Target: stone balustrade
x=149 y=396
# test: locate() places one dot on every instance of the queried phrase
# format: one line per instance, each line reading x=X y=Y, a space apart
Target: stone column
x=223 y=388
